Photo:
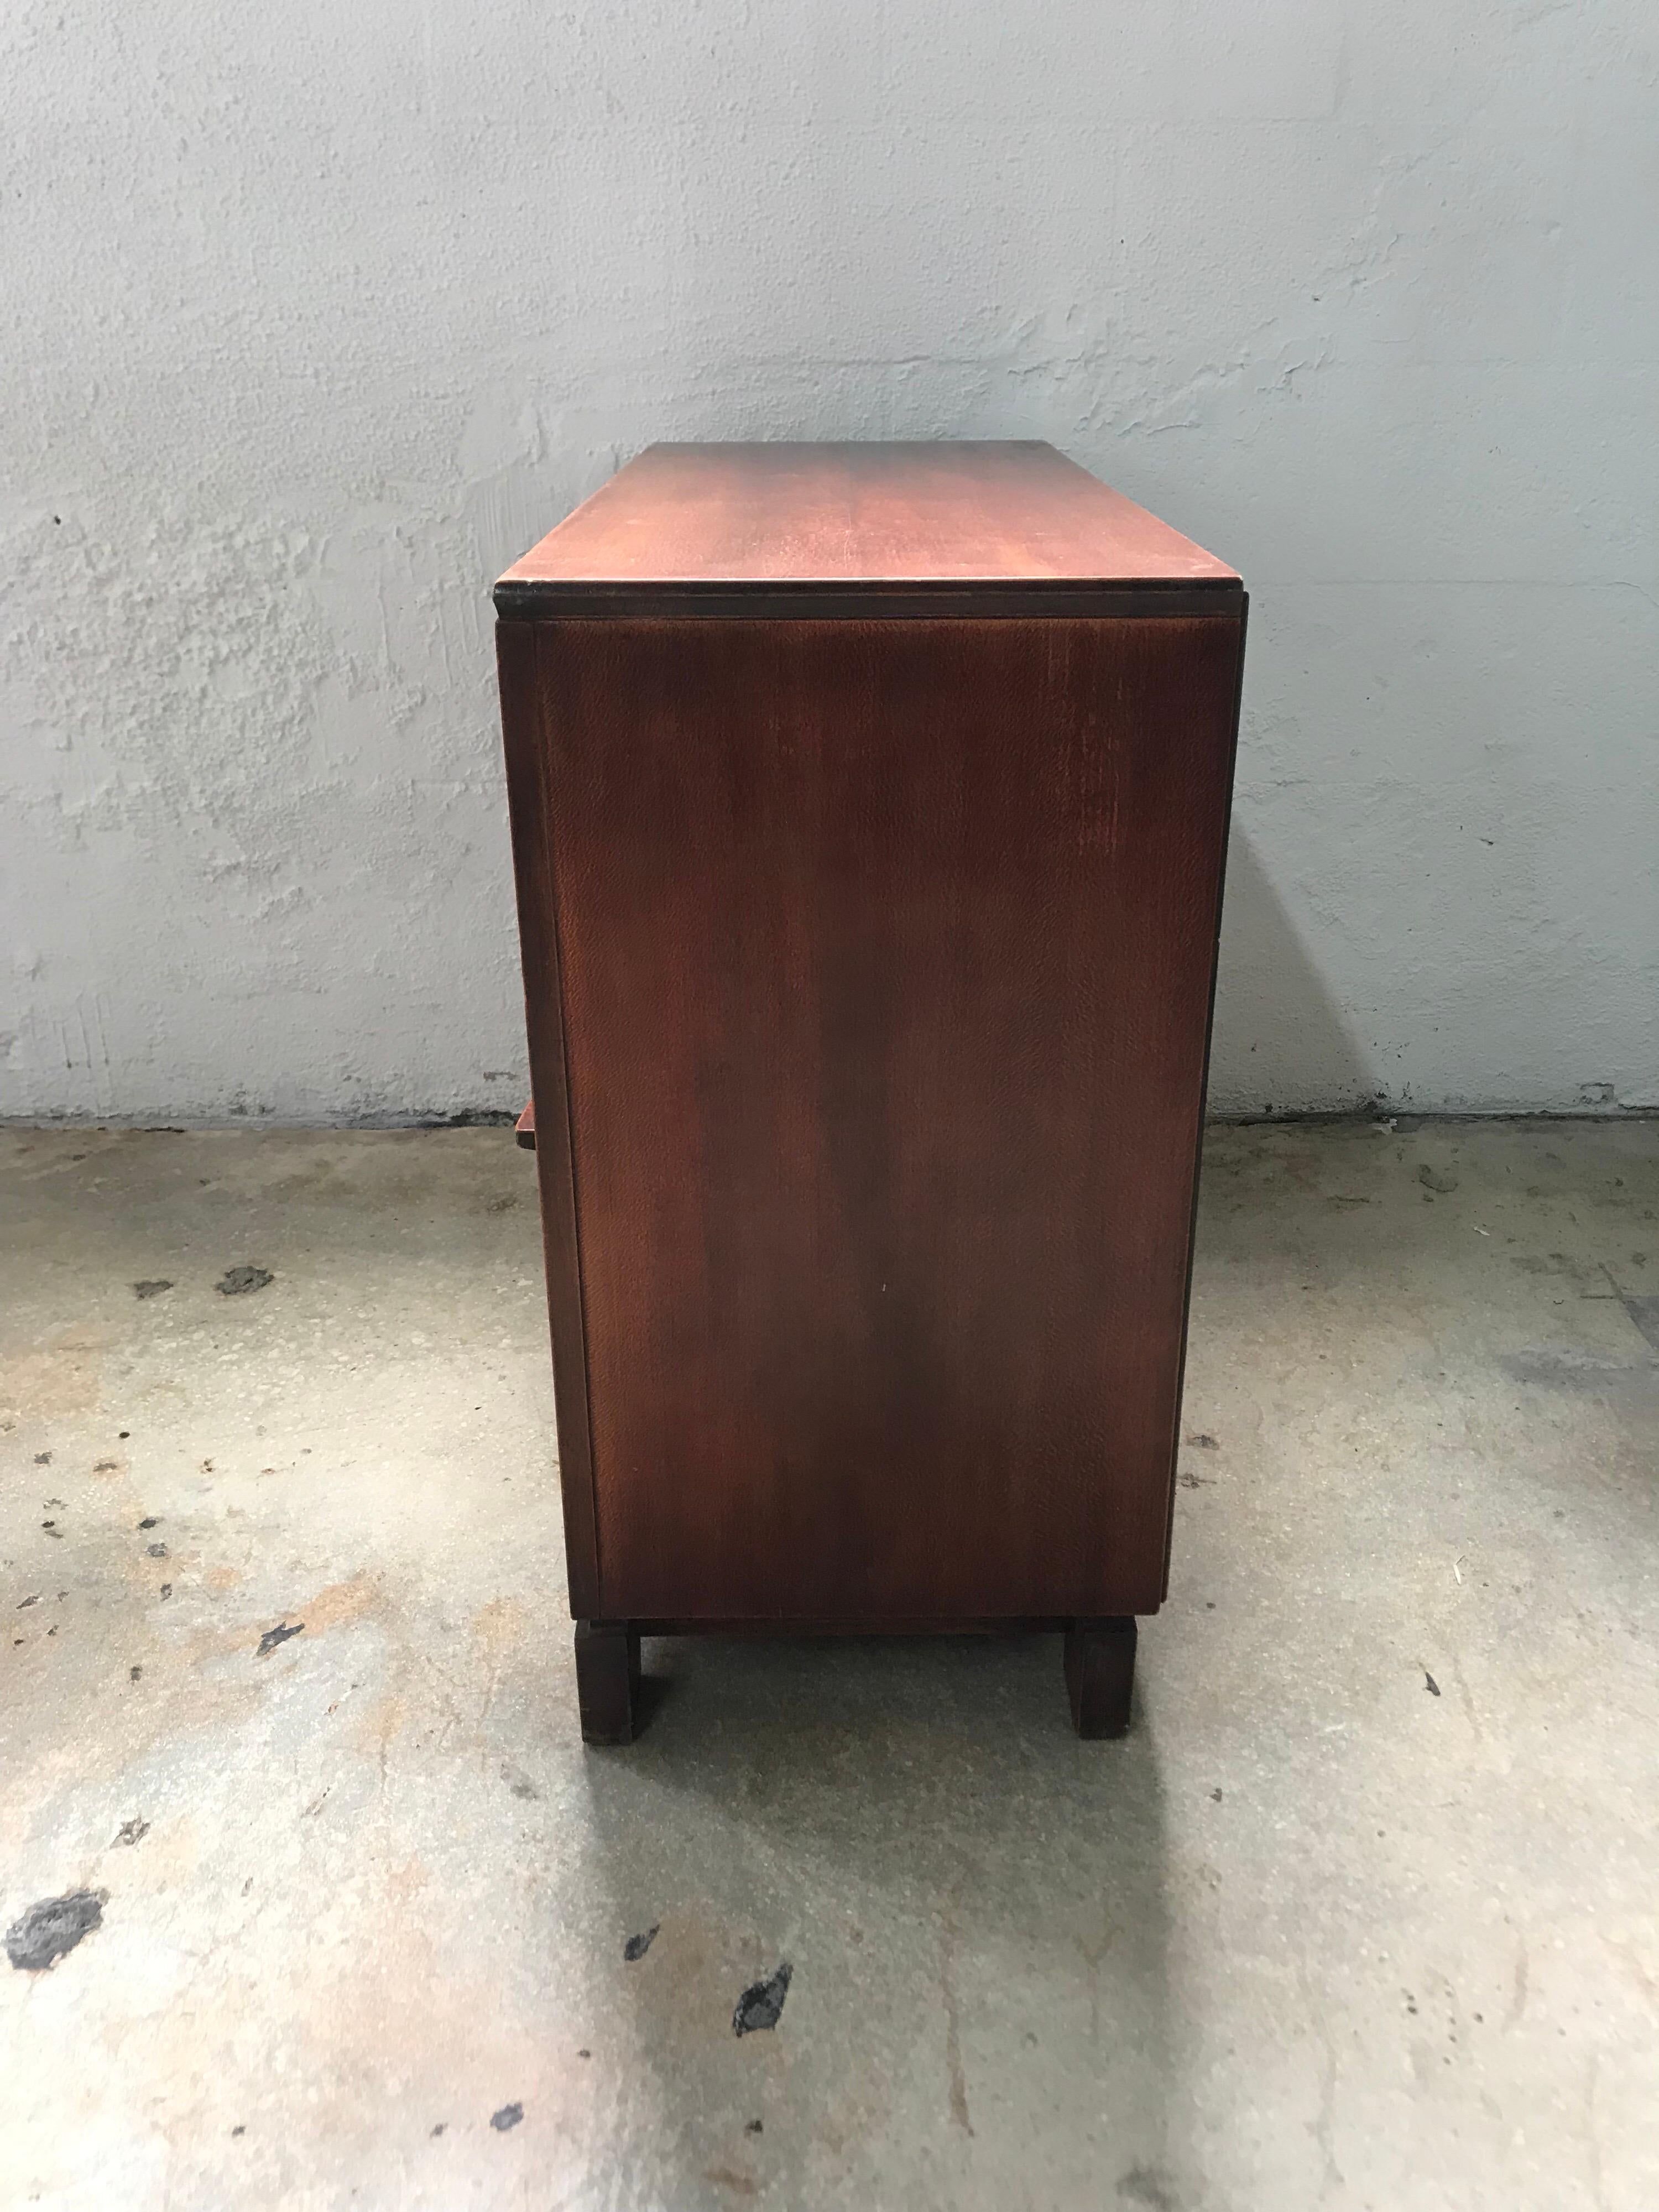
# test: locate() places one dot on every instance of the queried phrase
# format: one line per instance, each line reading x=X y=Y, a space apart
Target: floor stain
x=1577 y=1371
x=508 y=2116
x=337 y=1604
x=727 y=2177
x=151 y=1287
x=280 y=1634
x=761 y=2005
x=131 y=1832
x=637 y=1946
x=236 y=1282
x=48 y=1931
x=1143 y=2185
x=63 y=1376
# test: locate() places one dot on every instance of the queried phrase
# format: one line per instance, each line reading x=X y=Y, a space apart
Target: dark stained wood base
x=1100 y=1672
x=607 y=1681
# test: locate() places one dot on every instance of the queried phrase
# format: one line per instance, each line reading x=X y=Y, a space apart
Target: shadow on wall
x=1281 y=1043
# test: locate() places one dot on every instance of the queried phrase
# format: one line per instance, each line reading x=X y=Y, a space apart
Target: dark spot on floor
x=1143 y=2185
x=442 y=2125
x=48 y=1931
x=1188 y=1480
x=1203 y=1441
x=239 y=2131
x=518 y=1783
x=166 y=1589
x=753 y=2128
x=508 y=2116
x=24 y=1603
x=637 y=1946
x=150 y=1521
x=1430 y=1684
x=584 y=2054
x=236 y=1280
x=42 y=1459
x=105 y=1466
x=1216 y=1795
x=133 y=1673
x=152 y=1286
x=129 y=1832
x=761 y=2005
x=273 y=1637
x=156 y=1550
x=1440 y=1179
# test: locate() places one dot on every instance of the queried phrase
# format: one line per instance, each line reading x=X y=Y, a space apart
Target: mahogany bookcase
x=870 y=811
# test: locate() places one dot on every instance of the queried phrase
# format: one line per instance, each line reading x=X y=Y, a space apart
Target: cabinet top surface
x=783 y=516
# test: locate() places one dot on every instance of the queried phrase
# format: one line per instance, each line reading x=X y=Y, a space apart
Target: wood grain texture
x=872 y=963
x=909 y=529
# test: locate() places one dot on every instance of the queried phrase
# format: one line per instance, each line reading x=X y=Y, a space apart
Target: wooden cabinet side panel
x=527 y=766
x=888 y=949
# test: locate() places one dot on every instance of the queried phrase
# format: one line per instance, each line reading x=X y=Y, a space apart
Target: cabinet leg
x=607 y=1681
x=1100 y=1672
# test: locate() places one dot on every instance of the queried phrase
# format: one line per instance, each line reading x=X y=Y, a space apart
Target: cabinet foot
x=1100 y=1672
x=607 y=1681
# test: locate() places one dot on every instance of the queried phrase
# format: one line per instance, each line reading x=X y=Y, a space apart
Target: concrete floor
x=1365 y=1912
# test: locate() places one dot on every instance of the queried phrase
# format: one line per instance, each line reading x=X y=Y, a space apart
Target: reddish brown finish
x=885 y=1045
x=868 y=963
x=857 y=523
x=523 y=1129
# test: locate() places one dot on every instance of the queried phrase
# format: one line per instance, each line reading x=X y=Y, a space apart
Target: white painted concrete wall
x=318 y=314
